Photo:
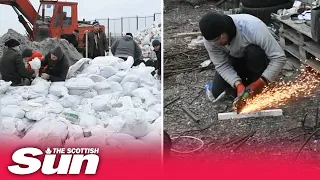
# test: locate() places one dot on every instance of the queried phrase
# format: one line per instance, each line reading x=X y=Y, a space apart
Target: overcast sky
x=90 y=10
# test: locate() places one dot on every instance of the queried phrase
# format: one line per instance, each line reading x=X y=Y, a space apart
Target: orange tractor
x=53 y=19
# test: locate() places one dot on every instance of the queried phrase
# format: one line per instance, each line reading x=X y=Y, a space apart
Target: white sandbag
x=78 y=66
x=58 y=89
x=103 y=102
x=79 y=83
x=11 y=100
x=128 y=87
x=152 y=140
x=37 y=114
x=98 y=131
x=96 y=78
x=30 y=106
x=152 y=115
x=90 y=94
x=137 y=103
x=53 y=107
x=51 y=97
x=70 y=101
x=24 y=125
x=102 y=85
x=130 y=78
x=4 y=86
x=92 y=69
x=87 y=121
x=157 y=125
x=121 y=137
x=145 y=95
x=50 y=132
x=35 y=63
x=106 y=60
x=134 y=146
x=121 y=74
x=40 y=100
x=116 y=124
x=115 y=86
x=135 y=122
x=126 y=102
x=103 y=118
x=75 y=131
x=157 y=108
x=107 y=71
x=77 y=92
x=40 y=86
x=9 y=125
x=115 y=78
x=124 y=65
x=13 y=111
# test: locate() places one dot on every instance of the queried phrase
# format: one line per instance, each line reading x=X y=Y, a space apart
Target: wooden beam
x=181 y=35
x=264 y=113
x=191 y=114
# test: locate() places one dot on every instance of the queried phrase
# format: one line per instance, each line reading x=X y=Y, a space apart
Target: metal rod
x=121 y=26
x=87 y=44
x=137 y=22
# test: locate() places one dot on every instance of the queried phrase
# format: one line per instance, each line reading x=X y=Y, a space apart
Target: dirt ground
x=271 y=140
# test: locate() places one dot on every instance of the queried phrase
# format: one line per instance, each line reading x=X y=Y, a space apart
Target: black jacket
x=71 y=38
x=57 y=69
x=12 y=67
x=103 y=45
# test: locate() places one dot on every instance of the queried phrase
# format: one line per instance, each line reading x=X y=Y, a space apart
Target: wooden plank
x=303 y=28
x=191 y=114
x=264 y=113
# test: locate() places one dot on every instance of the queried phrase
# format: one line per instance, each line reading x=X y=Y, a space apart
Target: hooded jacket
x=126 y=47
x=158 y=53
x=249 y=30
x=57 y=69
x=12 y=67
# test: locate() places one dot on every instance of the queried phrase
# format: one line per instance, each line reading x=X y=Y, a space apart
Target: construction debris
x=44 y=46
x=191 y=114
x=234 y=115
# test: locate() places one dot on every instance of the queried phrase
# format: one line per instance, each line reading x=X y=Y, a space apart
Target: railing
x=116 y=27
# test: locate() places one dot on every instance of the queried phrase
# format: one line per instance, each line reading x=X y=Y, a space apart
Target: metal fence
x=116 y=27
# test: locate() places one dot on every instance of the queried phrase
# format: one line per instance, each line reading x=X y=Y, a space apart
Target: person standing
x=13 y=68
x=97 y=41
x=125 y=47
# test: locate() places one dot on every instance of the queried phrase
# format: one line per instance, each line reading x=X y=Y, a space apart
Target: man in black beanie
x=245 y=54
x=12 y=67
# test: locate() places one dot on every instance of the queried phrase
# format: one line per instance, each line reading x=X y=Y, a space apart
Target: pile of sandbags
x=145 y=38
x=104 y=102
x=44 y=46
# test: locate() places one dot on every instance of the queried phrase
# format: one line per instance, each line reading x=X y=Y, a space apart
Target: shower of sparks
x=281 y=93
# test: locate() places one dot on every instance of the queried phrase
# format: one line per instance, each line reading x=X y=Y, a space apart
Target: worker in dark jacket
x=97 y=42
x=57 y=66
x=12 y=67
x=157 y=49
x=72 y=38
x=125 y=47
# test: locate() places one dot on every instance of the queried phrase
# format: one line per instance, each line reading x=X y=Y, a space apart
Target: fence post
x=121 y=26
x=154 y=17
x=137 y=22
x=145 y=22
x=108 y=27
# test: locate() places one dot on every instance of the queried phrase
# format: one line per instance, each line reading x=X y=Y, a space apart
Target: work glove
x=257 y=86
x=240 y=88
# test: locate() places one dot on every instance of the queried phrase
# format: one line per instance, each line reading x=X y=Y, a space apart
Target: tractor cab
x=55 y=18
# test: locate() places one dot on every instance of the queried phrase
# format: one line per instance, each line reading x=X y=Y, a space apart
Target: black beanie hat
x=212 y=25
x=129 y=34
x=155 y=43
x=27 y=53
x=12 y=43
